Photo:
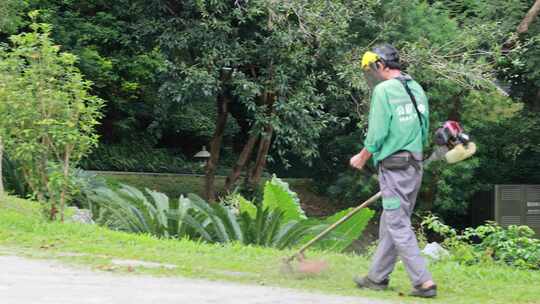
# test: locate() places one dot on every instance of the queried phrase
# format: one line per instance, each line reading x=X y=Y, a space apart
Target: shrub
x=276 y=221
x=143 y=159
x=47 y=114
x=13 y=178
x=514 y=245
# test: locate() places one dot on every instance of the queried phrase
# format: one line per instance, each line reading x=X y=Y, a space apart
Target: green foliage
x=85 y=183
x=117 y=56
x=514 y=245
x=13 y=178
x=351 y=188
x=277 y=221
x=143 y=159
x=270 y=228
x=343 y=236
x=214 y=223
x=161 y=84
x=453 y=187
x=48 y=116
x=276 y=61
x=129 y=209
x=277 y=195
x=11 y=12
x=243 y=205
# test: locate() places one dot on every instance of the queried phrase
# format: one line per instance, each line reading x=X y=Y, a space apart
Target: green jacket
x=393 y=121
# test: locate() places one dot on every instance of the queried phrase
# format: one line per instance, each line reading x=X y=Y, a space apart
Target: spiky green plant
x=13 y=178
x=128 y=209
x=277 y=221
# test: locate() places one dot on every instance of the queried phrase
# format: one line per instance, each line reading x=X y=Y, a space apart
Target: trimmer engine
x=451 y=134
x=453 y=144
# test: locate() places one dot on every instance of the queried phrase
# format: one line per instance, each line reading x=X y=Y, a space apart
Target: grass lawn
x=22 y=230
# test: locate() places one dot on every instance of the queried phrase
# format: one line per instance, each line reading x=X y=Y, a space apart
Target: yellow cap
x=369 y=58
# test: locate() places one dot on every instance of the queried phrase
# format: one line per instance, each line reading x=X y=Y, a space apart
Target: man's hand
x=359 y=160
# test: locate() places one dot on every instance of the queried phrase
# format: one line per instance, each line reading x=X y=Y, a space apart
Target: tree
x=48 y=118
x=1 y=170
x=457 y=64
x=273 y=61
x=10 y=15
x=529 y=18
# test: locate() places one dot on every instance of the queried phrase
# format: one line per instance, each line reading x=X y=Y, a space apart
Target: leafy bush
x=146 y=158
x=129 y=209
x=142 y=159
x=514 y=245
x=85 y=183
x=276 y=221
x=13 y=178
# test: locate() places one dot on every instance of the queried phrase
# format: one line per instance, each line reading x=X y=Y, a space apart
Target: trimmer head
x=298 y=264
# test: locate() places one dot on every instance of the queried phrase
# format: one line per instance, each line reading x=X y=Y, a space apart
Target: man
x=397 y=132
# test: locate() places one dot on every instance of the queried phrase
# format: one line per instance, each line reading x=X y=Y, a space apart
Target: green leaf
x=339 y=239
x=278 y=196
x=246 y=206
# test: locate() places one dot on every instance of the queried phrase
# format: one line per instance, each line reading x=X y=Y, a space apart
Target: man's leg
x=400 y=187
x=385 y=257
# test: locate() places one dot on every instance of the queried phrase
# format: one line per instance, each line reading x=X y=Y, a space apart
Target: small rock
x=82 y=216
x=435 y=251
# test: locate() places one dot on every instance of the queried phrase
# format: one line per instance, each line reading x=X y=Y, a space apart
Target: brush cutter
x=453 y=145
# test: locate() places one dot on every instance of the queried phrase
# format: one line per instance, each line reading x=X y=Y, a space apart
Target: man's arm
x=378 y=122
x=378 y=128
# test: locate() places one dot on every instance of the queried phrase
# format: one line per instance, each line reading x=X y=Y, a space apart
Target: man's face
x=376 y=73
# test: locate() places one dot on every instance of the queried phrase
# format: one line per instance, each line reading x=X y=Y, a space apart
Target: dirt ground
x=28 y=281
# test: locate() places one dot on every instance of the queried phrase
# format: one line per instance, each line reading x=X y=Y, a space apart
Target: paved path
x=28 y=281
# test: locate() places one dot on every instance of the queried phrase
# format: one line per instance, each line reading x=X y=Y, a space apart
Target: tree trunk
x=1 y=170
x=262 y=154
x=65 y=186
x=264 y=145
x=241 y=163
x=43 y=163
x=537 y=100
x=523 y=27
x=529 y=18
x=215 y=146
x=455 y=113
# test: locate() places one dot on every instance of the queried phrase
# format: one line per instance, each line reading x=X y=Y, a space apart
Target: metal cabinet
x=518 y=205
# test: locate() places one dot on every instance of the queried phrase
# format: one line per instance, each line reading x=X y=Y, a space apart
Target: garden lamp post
x=202 y=156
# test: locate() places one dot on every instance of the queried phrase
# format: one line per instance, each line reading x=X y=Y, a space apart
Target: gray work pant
x=396 y=237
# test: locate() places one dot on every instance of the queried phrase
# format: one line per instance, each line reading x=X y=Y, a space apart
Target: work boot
x=429 y=292
x=365 y=282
